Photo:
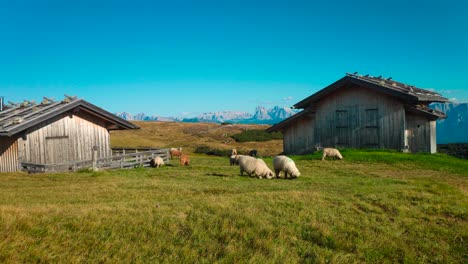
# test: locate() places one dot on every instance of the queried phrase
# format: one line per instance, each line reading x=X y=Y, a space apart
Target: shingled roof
x=408 y=93
x=18 y=117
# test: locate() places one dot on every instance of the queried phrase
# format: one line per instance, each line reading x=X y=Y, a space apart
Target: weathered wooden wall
x=299 y=138
x=351 y=117
x=9 y=154
x=358 y=117
x=420 y=133
x=65 y=138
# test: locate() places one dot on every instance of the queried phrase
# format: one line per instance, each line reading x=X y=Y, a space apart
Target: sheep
x=184 y=160
x=285 y=164
x=331 y=152
x=233 y=152
x=253 y=153
x=157 y=162
x=255 y=167
x=177 y=152
x=234 y=160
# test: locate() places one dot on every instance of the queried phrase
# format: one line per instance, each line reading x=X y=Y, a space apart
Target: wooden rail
x=459 y=150
x=121 y=161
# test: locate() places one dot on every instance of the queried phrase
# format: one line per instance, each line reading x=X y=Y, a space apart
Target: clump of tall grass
x=256 y=135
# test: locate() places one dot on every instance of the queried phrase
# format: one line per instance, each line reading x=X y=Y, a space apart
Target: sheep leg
x=323 y=156
x=277 y=172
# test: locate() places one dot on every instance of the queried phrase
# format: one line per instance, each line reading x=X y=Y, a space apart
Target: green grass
x=374 y=206
x=256 y=135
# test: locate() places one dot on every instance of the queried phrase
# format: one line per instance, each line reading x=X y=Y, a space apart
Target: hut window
x=371 y=118
x=342 y=127
x=342 y=118
x=371 y=128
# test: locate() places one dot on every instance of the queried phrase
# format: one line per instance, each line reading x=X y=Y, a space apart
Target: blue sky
x=173 y=57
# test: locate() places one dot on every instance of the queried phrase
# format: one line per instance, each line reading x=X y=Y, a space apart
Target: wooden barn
x=363 y=112
x=55 y=132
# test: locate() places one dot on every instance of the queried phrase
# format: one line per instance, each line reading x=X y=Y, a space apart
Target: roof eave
x=117 y=120
x=433 y=116
x=304 y=103
x=283 y=124
x=68 y=107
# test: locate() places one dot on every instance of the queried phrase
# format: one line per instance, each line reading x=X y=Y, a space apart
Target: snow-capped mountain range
x=261 y=115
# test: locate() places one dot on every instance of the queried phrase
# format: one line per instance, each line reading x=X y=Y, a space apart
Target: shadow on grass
x=219 y=174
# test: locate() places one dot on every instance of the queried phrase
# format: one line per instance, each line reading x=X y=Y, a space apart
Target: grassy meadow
x=189 y=136
x=374 y=207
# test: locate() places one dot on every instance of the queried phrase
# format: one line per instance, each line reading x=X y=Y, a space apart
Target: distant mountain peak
x=454 y=128
x=261 y=115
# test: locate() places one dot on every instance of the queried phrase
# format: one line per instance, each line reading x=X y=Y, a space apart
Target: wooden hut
x=363 y=112
x=55 y=132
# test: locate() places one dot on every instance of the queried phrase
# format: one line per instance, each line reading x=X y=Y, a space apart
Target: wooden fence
x=459 y=150
x=121 y=159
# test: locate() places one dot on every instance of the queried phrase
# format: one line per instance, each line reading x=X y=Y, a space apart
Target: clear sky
x=173 y=57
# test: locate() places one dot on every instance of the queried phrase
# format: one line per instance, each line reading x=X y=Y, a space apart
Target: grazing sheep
x=253 y=153
x=184 y=160
x=331 y=152
x=287 y=165
x=255 y=167
x=233 y=152
x=176 y=152
x=234 y=159
x=157 y=162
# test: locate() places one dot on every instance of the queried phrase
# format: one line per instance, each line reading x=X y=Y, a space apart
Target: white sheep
x=157 y=162
x=255 y=167
x=285 y=164
x=331 y=152
x=233 y=152
x=234 y=159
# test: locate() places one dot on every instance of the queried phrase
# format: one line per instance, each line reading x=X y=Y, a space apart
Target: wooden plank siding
x=351 y=117
x=299 y=138
x=420 y=133
x=359 y=117
x=9 y=154
x=362 y=111
x=66 y=137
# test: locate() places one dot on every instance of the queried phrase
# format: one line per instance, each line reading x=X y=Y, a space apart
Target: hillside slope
x=189 y=136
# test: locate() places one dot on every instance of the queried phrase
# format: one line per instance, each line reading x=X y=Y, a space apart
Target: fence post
x=95 y=148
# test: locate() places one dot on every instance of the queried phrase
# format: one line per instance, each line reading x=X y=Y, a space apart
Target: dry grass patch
x=191 y=135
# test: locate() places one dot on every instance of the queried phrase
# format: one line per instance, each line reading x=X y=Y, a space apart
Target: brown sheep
x=184 y=160
x=175 y=152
